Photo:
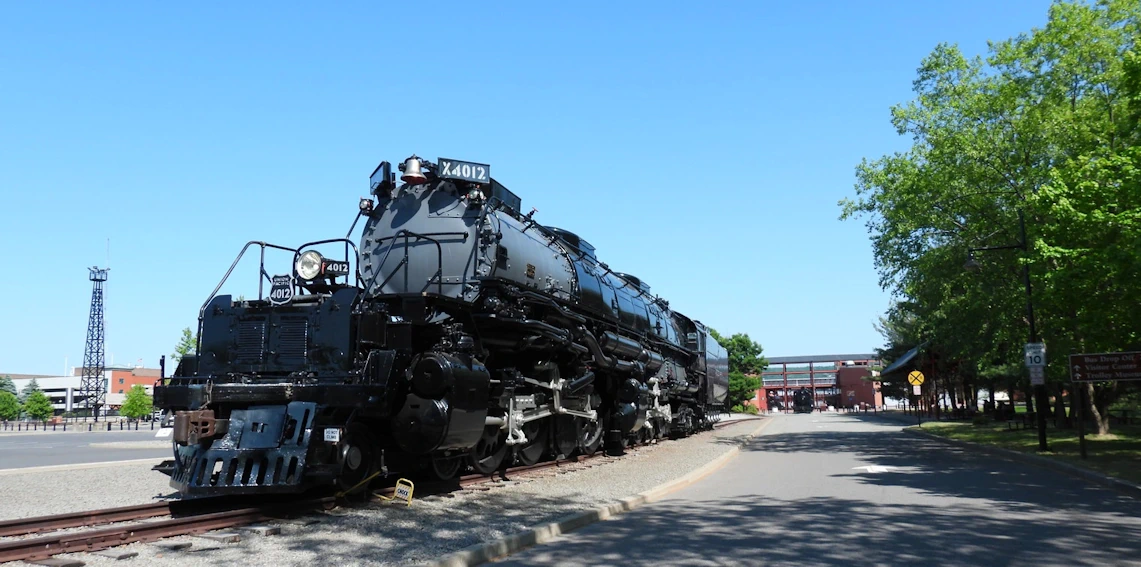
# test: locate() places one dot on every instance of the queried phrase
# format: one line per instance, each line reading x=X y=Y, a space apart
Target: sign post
x=1100 y=367
x=915 y=377
x=1082 y=419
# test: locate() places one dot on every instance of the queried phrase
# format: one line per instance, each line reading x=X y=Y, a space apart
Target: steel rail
x=44 y=547
x=38 y=524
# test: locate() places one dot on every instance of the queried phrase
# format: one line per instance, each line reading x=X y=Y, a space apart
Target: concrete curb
x=79 y=466
x=484 y=552
x=1102 y=479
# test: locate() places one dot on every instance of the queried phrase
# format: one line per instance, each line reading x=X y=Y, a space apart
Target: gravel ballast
x=49 y=492
x=383 y=533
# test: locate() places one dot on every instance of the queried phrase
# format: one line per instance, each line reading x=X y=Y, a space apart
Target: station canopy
x=904 y=360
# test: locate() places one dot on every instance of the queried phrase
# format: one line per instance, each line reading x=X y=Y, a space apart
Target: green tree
x=744 y=354
x=32 y=386
x=7 y=385
x=137 y=403
x=187 y=346
x=1043 y=129
x=37 y=405
x=742 y=388
x=9 y=406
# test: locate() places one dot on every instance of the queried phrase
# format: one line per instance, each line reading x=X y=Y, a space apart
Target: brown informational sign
x=1105 y=366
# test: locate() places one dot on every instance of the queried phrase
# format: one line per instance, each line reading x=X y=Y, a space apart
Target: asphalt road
x=47 y=448
x=828 y=489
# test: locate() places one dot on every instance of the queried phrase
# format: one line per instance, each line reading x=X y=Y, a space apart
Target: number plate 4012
x=464 y=170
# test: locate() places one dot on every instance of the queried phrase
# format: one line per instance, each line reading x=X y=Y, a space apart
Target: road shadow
x=962 y=509
x=758 y=530
x=941 y=469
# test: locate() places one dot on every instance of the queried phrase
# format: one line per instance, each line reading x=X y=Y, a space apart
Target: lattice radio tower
x=94 y=385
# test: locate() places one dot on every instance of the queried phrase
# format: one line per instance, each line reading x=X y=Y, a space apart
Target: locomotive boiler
x=459 y=334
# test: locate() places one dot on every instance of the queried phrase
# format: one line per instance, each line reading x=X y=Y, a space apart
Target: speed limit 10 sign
x=1035 y=354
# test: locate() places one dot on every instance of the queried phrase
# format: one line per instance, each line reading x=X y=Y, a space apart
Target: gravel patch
x=382 y=534
x=43 y=493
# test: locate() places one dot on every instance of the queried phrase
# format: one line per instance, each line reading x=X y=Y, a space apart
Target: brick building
x=836 y=380
x=121 y=378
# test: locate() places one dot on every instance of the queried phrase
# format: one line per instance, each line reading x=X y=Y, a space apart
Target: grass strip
x=1117 y=454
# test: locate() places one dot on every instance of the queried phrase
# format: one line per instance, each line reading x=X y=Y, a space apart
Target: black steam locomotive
x=460 y=334
x=802 y=401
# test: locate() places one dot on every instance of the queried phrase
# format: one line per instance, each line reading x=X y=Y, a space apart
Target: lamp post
x=1039 y=389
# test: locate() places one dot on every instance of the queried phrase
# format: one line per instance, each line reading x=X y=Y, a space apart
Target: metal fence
x=74 y=426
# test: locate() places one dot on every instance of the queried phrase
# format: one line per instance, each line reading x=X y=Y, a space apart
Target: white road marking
x=874 y=468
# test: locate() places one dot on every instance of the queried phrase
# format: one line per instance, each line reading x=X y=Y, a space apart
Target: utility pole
x=1039 y=390
x=94 y=385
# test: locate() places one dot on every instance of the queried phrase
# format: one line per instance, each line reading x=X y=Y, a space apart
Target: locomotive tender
x=460 y=334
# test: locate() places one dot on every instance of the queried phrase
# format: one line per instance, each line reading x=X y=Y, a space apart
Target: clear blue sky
x=700 y=146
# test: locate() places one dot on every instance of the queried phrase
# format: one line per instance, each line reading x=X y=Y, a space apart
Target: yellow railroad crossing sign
x=916 y=378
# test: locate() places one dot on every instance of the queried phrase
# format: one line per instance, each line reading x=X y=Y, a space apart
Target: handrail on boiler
x=439 y=277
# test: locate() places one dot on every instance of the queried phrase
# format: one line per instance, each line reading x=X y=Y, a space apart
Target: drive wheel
x=589 y=436
x=445 y=468
x=356 y=455
x=645 y=434
x=537 y=441
x=489 y=452
x=566 y=435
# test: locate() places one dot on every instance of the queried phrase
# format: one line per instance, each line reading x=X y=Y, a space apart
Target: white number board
x=464 y=170
x=1035 y=354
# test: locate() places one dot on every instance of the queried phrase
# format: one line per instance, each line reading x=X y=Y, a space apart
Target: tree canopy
x=187 y=346
x=744 y=353
x=137 y=403
x=7 y=385
x=37 y=405
x=1043 y=129
x=9 y=406
x=33 y=385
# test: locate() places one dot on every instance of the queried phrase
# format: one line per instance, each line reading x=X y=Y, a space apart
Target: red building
x=836 y=380
x=121 y=378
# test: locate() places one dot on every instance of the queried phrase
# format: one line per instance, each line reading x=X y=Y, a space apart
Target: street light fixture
x=973 y=265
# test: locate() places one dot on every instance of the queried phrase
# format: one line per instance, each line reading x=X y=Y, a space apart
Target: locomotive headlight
x=309 y=265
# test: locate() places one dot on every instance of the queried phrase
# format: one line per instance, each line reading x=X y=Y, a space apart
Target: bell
x=412 y=174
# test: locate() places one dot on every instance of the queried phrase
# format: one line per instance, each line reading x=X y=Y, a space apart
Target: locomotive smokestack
x=412 y=174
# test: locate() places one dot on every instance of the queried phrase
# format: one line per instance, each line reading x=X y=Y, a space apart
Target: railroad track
x=27 y=526
x=197 y=517
x=95 y=540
